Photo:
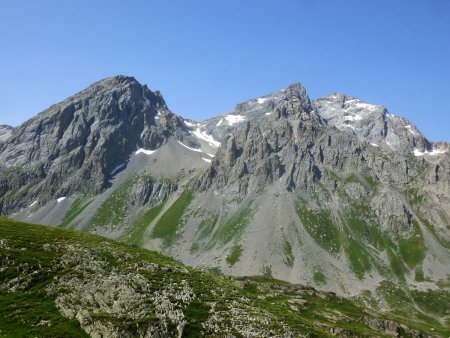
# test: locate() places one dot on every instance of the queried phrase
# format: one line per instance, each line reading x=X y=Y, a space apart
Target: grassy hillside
x=60 y=283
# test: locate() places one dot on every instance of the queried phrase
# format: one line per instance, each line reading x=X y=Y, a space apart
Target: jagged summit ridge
x=371 y=123
x=77 y=143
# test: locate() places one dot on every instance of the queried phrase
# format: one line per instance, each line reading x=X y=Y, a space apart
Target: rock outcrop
x=75 y=145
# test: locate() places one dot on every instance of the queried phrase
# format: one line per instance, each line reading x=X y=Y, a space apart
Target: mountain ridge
x=333 y=192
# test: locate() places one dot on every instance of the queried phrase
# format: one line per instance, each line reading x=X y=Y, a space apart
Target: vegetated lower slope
x=60 y=283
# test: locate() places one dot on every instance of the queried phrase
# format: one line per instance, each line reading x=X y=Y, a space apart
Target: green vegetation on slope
x=171 y=220
x=319 y=278
x=288 y=254
x=320 y=226
x=233 y=228
x=109 y=288
x=235 y=254
x=412 y=249
x=135 y=233
x=113 y=209
x=204 y=230
x=76 y=208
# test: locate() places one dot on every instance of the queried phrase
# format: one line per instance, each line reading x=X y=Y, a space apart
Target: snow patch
x=410 y=129
x=206 y=160
x=219 y=123
x=374 y=145
x=144 y=151
x=193 y=149
x=352 y=118
x=232 y=119
x=189 y=124
x=208 y=138
x=363 y=105
x=434 y=152
x=268 y=114
x=116 y=169
x=261 y=100
x=61 y=199
x=34 y=203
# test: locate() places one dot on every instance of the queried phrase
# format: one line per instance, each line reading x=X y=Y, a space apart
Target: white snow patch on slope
x=219 y=123
x=144 y=151
x=374 y=145
x=410 y=129
x=261 y=100
x=208 y=138
x=352 y=118
x=34 y=203
x=206 y=160
x=116 y=169
x=268 y=113
x=232 y=119
x=61 y=199
x=193 y=149
x=189 y=124
x=435 y=152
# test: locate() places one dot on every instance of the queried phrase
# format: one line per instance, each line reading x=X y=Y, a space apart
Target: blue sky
x=206 y=56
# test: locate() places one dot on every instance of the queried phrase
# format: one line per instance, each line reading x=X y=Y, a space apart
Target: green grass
x=419 y=276
x=319 y=278
x=321 y=227
x=114 y=209
x=171 y=220
x=396 y=263
x=288 y=254
x=235 y=254
x=32 y=314
x=412 y=249
x=436 y=302
x=76 y=208
x=135 y=234
x=357 y=256
x=27 y=313
x=352 y=178
x=206 y=226
x=233 y=228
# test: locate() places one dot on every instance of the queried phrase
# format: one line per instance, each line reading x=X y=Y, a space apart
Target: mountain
x=56 y=283
x=333 y=193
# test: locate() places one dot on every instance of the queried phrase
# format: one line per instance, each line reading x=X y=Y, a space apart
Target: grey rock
x=75 y=145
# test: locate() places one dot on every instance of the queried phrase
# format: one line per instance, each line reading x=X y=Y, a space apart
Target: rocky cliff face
x=334 y=188
x=75 y=146
x=335 y=192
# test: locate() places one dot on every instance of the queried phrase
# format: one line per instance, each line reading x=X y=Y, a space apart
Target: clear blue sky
x=206 y=56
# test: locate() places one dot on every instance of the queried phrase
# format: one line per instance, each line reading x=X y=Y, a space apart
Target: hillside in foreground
x=60 y=283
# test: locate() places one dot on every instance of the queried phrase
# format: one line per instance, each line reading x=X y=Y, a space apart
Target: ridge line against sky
x=206 y=56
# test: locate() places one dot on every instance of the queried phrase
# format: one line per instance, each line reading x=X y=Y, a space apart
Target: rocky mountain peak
x=371 y=123
x=77 y=143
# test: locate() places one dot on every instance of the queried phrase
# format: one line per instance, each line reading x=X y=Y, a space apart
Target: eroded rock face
x=75 y=145
x=299 y=144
